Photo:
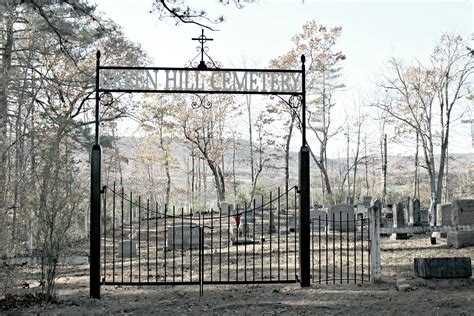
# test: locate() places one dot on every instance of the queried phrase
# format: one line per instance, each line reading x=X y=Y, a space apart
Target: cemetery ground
x=264 y=299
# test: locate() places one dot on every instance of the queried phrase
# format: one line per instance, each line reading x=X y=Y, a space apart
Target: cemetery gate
x=136 y=242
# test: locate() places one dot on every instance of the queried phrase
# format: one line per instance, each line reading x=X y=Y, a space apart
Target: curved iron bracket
x=205 y=104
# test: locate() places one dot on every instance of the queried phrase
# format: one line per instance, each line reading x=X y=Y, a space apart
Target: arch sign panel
x=185 y=80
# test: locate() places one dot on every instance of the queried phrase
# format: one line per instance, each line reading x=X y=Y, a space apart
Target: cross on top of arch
x=202 y=39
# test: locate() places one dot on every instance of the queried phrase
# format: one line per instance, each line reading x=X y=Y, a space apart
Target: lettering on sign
x=195 y=80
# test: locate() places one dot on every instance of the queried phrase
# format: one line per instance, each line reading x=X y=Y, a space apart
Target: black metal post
x=304 y=186
x=96 y=159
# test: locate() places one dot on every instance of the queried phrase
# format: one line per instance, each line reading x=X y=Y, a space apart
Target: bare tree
x=424 y=97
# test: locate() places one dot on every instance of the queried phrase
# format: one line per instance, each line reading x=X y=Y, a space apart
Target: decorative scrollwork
x=295 y=101
x=205 y=104
x=106 y=99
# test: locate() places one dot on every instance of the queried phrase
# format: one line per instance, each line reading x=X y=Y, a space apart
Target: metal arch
x=296 y=100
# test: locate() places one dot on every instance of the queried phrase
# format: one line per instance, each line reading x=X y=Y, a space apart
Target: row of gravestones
x=186 y=236
x=457 y=212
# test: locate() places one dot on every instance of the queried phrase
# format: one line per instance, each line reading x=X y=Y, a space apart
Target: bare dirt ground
x=453 y=298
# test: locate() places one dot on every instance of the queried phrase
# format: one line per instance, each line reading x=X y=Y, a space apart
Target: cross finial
x=202 y=39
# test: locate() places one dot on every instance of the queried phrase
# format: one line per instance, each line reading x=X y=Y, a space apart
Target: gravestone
x=460 y=239
x=128 y=249
x=226 y=208
x=399 y=221
x=256 y=203
x=443 y=268
x=341 y=217
x=444 y=218
x=271 y=224
x=424 y=216
x=292 y=224
x=410 y=212
x=462 y=213
x=360 y=209
x=318 y=220
x=444 y=214
x=416 y=212
x=349 y=200
x=182 y=236
x=366 y=200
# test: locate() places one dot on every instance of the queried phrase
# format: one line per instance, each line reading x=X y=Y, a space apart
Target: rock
x=403 y=286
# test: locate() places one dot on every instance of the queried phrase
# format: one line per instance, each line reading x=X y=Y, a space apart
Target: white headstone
x=341 y=217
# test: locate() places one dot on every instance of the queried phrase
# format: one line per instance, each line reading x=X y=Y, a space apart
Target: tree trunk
x=249 y=102
x=4 y=80
x=415 y=180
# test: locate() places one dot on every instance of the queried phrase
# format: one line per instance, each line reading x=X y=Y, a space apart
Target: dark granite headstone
x=456 y=267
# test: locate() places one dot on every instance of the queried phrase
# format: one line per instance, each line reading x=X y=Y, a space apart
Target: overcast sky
x=372 y=32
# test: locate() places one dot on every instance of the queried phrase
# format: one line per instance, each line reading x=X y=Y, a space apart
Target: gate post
x=96 y=161
x=304 y=185
x=374 y=222
x=305 y=250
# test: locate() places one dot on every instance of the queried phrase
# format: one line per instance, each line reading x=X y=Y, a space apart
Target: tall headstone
x=271 y=224
x=410 y=212
x=226 y=208
x=399 y=221
x=416 y=212
x=341 y=217
x=424 y=216
x=256 y=203
x=366 y=201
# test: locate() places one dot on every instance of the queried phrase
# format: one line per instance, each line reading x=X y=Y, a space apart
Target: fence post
x=95 y=222
x=374 y=222
x=96 y=165
x=305 y=247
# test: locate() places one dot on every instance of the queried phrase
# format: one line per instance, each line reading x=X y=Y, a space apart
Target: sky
x=372 y=32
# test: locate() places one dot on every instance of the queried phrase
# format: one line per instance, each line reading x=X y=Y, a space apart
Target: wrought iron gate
x=340 y=249
x=145 y=244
